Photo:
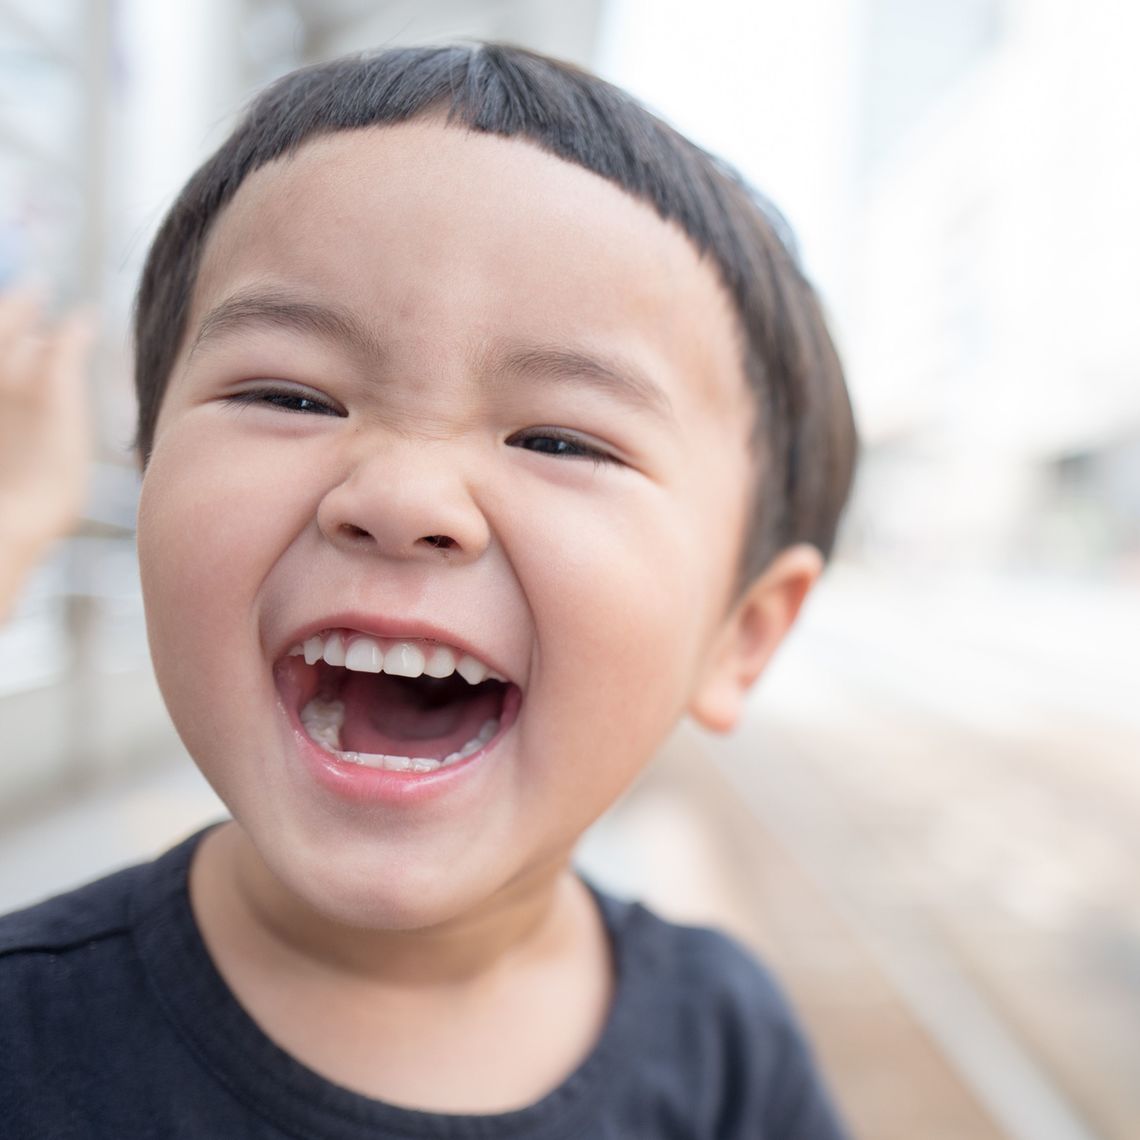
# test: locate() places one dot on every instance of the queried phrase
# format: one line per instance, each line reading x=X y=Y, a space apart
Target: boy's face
x=440 y=387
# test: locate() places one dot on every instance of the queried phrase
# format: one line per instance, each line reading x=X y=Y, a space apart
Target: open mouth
x=400 y=705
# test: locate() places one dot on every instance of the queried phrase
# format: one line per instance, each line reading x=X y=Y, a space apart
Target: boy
x=488 y=428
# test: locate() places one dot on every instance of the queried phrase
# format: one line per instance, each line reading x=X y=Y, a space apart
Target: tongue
x=396 y=716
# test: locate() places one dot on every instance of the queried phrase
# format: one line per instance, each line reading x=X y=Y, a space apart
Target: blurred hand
x=44 y=433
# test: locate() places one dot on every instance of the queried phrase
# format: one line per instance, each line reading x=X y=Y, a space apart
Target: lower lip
x=359 y=784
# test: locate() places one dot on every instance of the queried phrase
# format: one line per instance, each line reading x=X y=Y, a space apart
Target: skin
x=447 y=936
x=44 y=441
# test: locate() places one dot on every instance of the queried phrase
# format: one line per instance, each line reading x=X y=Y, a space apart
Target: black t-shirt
x=114 y=1023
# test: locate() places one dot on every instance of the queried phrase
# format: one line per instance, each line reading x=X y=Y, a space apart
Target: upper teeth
x=364 y=654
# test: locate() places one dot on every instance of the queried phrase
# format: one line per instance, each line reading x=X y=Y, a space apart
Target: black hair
x=804 y=436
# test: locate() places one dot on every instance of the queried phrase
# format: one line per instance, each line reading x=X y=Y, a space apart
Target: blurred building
x=992 y=330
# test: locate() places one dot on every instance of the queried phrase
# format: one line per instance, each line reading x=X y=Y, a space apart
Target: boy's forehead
x=491 y=231
x=378 y=183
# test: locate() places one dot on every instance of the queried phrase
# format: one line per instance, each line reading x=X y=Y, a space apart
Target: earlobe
x=750 y=635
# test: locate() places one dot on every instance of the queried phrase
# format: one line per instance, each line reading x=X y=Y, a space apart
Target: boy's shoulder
x=80 y=943
x=78 y=1023
x=72 y=920
x=697 y=962
x=703 y=1013
x=99 y=913
x=86 y=941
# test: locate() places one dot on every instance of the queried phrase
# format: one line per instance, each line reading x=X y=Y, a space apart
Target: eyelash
x=284 y=400
x=568 y=445
x=573 y=446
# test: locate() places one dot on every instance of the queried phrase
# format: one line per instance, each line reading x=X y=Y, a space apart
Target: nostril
x=439 y=541
x=351 y=530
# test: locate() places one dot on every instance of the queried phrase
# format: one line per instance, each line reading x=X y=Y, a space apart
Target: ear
x=751 y=633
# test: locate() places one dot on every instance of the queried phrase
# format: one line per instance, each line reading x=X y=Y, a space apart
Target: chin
x=384 y=894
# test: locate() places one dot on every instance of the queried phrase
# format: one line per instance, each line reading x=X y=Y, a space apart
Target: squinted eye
x=286 y=399
x=564 y=445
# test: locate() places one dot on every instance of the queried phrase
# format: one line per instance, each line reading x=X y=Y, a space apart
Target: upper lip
x=392 y=629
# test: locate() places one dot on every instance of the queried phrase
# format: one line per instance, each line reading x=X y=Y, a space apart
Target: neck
x=385 y=1012
x=533 y=916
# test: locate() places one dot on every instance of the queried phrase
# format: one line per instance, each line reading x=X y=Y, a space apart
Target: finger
x=20 y=312
x=22 y=366
x=20 y=340
x=67 y=356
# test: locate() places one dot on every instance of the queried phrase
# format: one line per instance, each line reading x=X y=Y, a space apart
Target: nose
x=406 y=500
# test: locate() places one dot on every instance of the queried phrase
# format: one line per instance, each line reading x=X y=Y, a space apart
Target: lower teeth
x=323 y=721
x=390 y=763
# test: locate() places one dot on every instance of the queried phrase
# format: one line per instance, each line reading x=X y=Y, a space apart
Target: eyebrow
x=616 y=378
x=273 y=309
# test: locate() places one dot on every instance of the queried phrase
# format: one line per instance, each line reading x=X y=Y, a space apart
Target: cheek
x=189 y=530
x=630 y=573
x=207 y=538
x=617 y=591
x=628 y=593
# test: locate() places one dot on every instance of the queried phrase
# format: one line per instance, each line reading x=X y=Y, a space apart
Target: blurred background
x=930 y=822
